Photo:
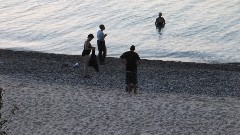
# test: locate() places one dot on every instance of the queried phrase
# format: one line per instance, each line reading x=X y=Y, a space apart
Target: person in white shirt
x=102 y=50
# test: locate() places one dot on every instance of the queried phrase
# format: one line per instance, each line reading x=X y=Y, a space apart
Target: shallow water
x=196 y=31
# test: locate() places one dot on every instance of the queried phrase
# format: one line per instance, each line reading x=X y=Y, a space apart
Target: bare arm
x=123 y=61
x=138 y=62
x=88 y=46
x=156 y=22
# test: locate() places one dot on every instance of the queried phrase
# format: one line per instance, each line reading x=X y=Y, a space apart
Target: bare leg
x=135 y=88
x=129 y=87
x=126 y=88
x=85 y=63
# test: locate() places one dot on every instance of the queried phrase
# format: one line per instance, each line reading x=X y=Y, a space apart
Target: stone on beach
x=173 y=98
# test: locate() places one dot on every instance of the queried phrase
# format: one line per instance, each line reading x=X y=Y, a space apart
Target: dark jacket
x=93 y=61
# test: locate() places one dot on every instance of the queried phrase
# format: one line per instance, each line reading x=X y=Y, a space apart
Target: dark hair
x=160 y=14
x=90 y=36
x=132 y=47
x=101 y=26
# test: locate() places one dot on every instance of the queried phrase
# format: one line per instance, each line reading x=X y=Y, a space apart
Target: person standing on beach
x=101 y=44
x=85 y=54
x=131 y=59
x=160 y=21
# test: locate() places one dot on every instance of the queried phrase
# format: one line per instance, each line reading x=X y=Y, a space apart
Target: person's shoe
x=130 y=89
x=87 y=76
x=135 y=91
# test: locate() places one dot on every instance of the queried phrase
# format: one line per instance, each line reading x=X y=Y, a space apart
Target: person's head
x=132 y=48
x=90 y=36
x=160 y=14
x=102 y=27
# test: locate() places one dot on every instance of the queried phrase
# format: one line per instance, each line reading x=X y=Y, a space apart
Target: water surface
x=196 y=31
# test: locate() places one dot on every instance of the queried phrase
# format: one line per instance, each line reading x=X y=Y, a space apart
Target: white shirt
x=100 y=35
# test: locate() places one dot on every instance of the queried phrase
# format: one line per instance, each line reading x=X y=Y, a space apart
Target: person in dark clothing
x=85 y=54
x=102 y=50
x=160 y=21
x=131 y=59
x=93 y=61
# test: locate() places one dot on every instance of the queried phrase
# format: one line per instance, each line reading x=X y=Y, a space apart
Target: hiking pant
x=102 y=51
x=131 y=77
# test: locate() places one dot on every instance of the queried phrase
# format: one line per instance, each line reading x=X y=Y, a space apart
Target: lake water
x=206 y=31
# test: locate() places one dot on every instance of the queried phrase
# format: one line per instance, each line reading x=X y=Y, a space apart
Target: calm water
x=197 y=30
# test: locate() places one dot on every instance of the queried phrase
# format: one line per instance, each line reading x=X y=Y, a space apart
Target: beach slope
x=52 y=97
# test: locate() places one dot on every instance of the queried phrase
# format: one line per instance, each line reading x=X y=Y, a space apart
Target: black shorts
x=131 y=77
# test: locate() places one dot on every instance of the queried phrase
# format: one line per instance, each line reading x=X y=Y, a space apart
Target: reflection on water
x=159 y=30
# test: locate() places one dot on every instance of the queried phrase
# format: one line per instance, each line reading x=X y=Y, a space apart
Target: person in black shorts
x=85 y=54
x=131 y=59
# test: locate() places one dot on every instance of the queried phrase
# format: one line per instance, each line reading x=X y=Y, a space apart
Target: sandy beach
x=174 y=98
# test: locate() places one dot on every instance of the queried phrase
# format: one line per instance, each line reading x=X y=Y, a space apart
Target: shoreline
x=153 y=75
x=231 y=66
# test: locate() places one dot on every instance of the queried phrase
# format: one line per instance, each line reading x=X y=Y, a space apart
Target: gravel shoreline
x=153 y=75
x=174 y=98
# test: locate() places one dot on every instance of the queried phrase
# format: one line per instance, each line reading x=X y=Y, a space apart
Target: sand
x=173 y=98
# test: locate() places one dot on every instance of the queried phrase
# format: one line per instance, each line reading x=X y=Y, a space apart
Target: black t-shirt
x=131 y=59
x=160 y=22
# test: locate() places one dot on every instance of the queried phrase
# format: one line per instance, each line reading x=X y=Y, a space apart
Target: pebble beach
x=174 y=98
